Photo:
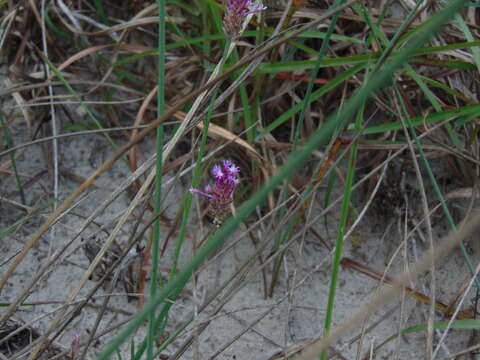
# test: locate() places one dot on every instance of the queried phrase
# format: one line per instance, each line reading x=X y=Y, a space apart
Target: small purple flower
x=236 y=12
x=221 y=194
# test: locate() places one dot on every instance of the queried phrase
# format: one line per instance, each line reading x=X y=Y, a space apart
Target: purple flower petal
x=217 y=171
x=199 y=192
x=258 y=9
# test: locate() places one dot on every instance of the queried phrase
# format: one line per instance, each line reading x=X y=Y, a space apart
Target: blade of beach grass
x=206 y=38
x=467 y=324
x=197 y=172
x=244 y=99
x=356 y=59
x=342 y=226
x=50 y=24
x=159 y=169
x=207 y=44
x=443 y=87
x=466 y=112
x=294 y=161
x=468 y=35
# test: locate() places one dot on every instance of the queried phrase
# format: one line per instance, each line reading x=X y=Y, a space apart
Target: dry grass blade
x=350 y=263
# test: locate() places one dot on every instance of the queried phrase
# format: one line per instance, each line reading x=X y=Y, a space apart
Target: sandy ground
x=287 y=319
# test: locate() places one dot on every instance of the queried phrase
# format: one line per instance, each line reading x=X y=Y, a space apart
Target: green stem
x=159 y=169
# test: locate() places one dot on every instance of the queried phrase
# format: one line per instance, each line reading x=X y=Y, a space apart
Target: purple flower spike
x=221 y=194
x=236 y=12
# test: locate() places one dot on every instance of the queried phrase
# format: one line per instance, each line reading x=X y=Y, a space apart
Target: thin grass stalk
x=206 y=45
x=343 y=77
x=468 y=35
x=53 y=126
x=344 y=214
x=229 y=47
x=247 y=113
x=390 y=45
x=52 y=26
x=332 y=179
x=162 y=318
x=287 y=234
x=159 y=169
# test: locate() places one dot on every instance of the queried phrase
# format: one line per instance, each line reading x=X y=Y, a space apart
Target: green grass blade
x=342 y=226
x=159 y=170
x=470 y=324
x=464 y=114
x=466 y=30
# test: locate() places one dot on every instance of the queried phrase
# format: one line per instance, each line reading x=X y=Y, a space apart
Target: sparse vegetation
x=344 y=142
